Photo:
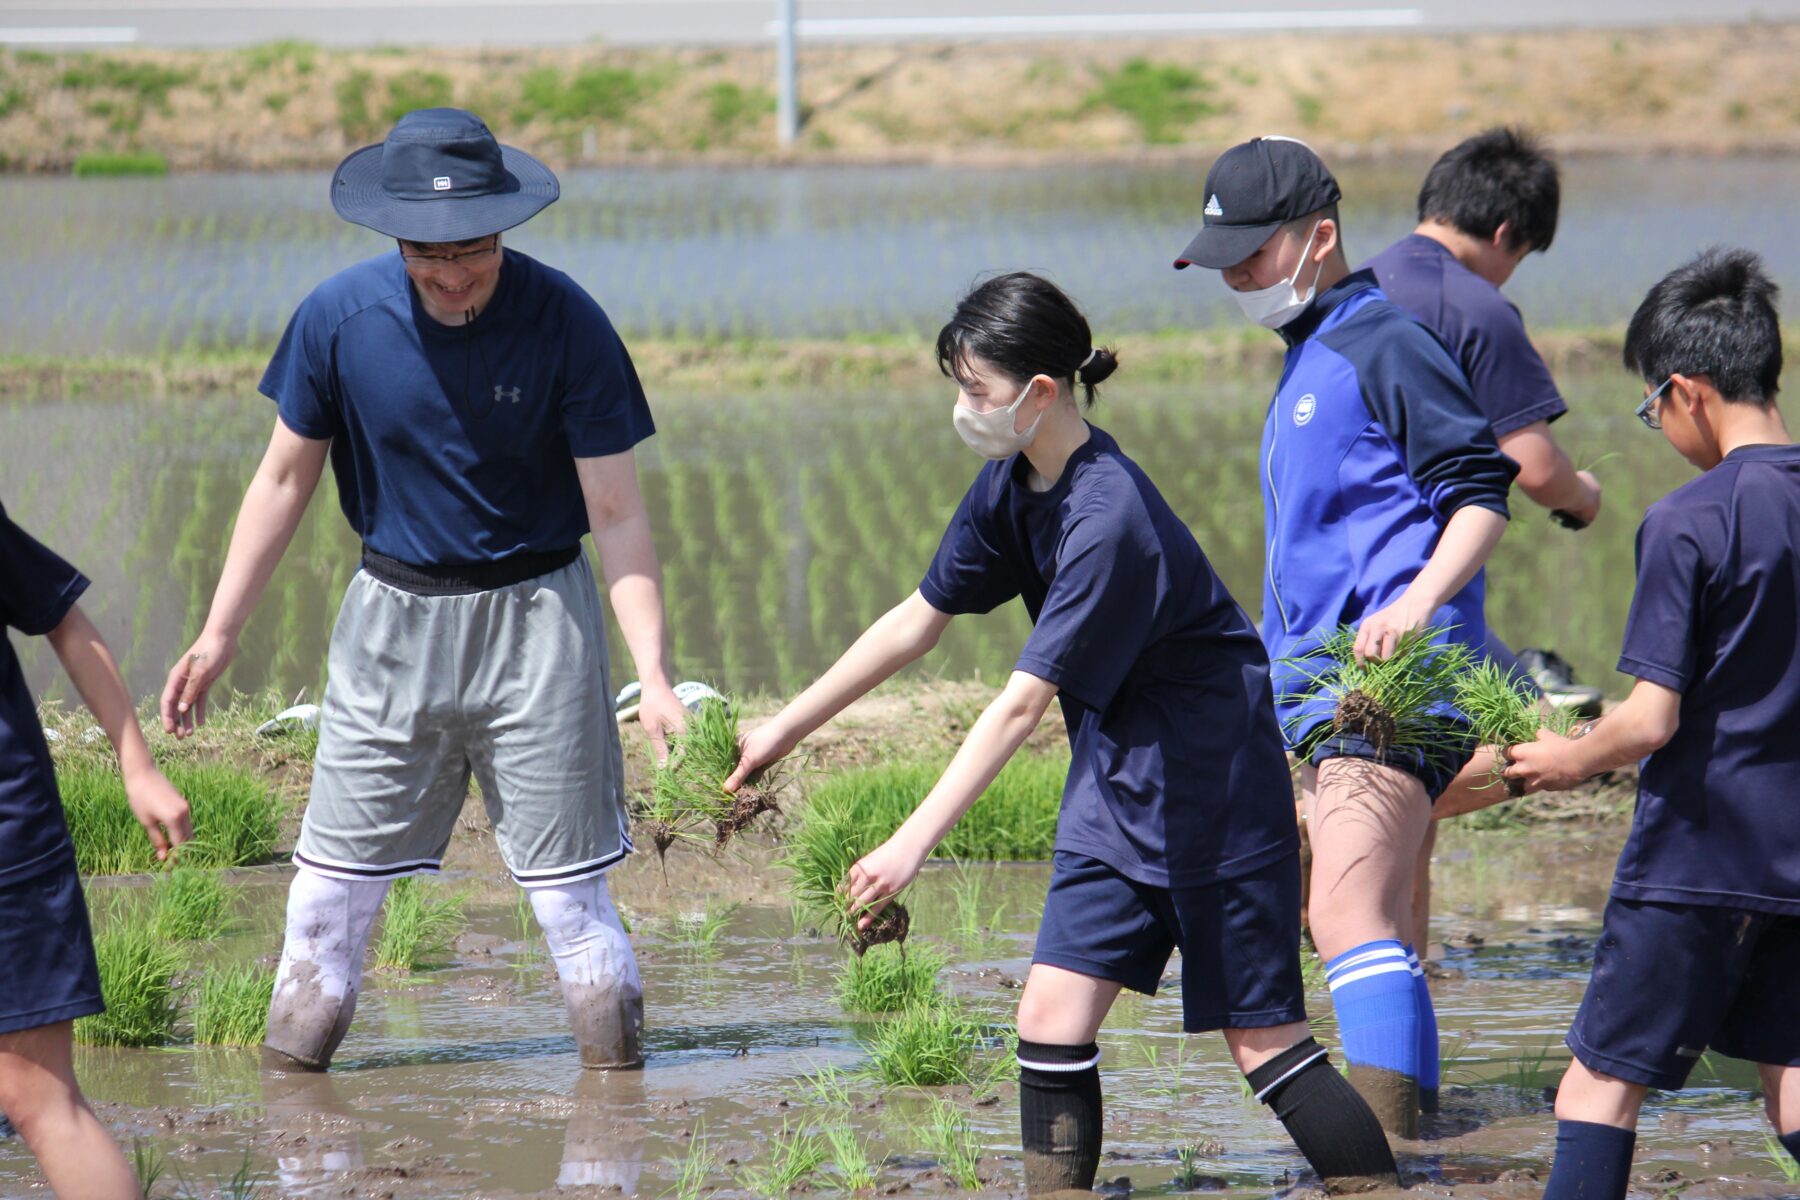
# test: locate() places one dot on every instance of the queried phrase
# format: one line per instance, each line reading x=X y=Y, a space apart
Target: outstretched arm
x=158 y=807
x=273 y=505
x=899 y=636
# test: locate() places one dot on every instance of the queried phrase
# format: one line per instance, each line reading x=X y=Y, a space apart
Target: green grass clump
x=137 y=981
x=591 y=94
x=823 y=845
x=889 y=979
x=688 y=800
x=237 y=817
x=850 y=1159
x=151 y=82
x=792 y=1158
x=418 y=927
x=1160 y=97
x=189 y=905
x=100 y=164
x=1014 y=820
x=233 y=1009
x=952 y=1142
x=926 y=1045
x=1395 y=702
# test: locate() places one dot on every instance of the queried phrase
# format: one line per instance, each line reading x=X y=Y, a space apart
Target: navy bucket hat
x=441 y=177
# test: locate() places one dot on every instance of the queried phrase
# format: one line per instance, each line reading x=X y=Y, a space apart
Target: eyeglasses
x=1647 y=411
x=467 y=258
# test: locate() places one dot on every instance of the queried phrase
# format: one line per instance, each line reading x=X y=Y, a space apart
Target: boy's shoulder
x=1706 y=502
x=358 y=287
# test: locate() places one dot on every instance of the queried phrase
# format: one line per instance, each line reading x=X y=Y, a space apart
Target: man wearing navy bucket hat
x=480 y=413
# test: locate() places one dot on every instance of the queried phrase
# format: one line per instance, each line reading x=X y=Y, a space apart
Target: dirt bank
x=286 y=105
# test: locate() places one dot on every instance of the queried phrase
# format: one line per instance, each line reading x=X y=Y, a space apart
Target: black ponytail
x=1023 y=325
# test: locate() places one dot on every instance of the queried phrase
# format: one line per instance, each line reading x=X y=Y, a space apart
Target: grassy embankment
x=293 y=104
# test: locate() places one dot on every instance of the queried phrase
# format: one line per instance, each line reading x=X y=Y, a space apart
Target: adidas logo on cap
x=1213 y=207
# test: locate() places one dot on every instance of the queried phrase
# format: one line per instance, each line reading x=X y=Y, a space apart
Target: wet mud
x=468 y=1081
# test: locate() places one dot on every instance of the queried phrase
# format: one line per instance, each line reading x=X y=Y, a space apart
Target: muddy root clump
x=749 y=804
x=662 y=836
x=891 y=924
x=1360 y=714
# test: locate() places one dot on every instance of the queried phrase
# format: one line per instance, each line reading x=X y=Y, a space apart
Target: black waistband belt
x=462 y=579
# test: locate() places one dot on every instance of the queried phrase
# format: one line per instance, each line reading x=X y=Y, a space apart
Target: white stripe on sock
x=1061 y=1066
x=1289 y=1074
x=1368 y=972
x=1367 y=956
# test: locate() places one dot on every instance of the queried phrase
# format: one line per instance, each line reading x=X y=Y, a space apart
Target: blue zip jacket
x=1372 y=442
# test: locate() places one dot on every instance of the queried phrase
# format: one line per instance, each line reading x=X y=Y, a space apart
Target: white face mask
x=1273 y=307
x=991 y=433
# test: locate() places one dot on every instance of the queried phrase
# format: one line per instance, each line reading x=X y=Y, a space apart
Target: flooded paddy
x=463 y=1081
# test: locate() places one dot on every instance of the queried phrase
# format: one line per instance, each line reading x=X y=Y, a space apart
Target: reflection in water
x=604 y=1146
x=786 y=523
x=317 y=1135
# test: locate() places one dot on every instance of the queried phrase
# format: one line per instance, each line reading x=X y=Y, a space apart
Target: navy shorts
x=1435 y=768
x=48 y=948
x=1673 y=980
x=1239 y=939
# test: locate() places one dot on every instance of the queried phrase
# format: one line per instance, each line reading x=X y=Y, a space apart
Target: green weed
x=925 y=1045
x=952 y=1142
x=850 y=1159
x=889 y=978
x=137 y=981
x=233 y=1009
x=150 y=82
x=1395 y=702
x=237 y=817
x=731 y=105
x=591 y=94
x=189 y=905
x=695 y=1166
x=1526 y=1075
x=100 y=164
x=1161 y=97
x=418 y=928
x=525 y=928
x=792 y=1158
x=148 y=1164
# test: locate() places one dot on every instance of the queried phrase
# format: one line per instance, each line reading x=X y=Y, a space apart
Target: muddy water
x=464 y=1081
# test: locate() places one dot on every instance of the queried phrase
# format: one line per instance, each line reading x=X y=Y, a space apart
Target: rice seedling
x=694 y=1167
x=418 y=927
x=793 y=1156
x=825 y=843
x=237 y=817
x=850 y=1159
x=973 y=916
x=233 y=1009
x=697 y=931
x=926 y=1045
x=1790 y=1169
x=1015 y=819
x=1503 y=711
x=1397 y=703
x=1188 y=1176
x=189 y=905
x=688 y=792
x=137 y=981
x=148 y=1164
x=828 y=1087
x=525 y=929
x=1167 y=1074
x=890 y=978
x=952 y=1142
x=1526 y=1075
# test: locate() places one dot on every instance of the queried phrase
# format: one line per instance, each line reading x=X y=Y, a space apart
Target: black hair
x=1024 y=326
x=1499 y=175
x=1714 y=316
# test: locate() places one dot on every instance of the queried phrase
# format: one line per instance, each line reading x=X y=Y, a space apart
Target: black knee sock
x=1792 y=1142
x=1330 y=1122
x=1059 y=1115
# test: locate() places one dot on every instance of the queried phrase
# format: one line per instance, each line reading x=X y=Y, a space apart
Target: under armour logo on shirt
x=501 y=393
x=1213 y=207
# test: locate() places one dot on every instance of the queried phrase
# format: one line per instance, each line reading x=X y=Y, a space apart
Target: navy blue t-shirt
x=1177 y=774
x=1482 y=328
x=456 y=444
x=1714 y=618
x=37 y=590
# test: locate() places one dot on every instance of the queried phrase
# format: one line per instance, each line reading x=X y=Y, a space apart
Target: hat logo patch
x=1213 y=207
x=441 y=184
x=1304 y=408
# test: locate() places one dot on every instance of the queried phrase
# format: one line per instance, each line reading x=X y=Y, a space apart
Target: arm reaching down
x=1641 y=725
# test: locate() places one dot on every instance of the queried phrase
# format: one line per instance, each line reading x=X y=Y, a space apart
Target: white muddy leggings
x=328 y=925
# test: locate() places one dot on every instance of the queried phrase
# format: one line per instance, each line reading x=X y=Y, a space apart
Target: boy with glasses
x=1701 y=942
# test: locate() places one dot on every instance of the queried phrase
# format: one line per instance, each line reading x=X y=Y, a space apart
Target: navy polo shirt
x=1484 y=331
x=1714 y=618
x=456 y=444
x=37 y=590
x=1177 y=775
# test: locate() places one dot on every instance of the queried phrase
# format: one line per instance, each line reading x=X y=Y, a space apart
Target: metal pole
x=787 y=107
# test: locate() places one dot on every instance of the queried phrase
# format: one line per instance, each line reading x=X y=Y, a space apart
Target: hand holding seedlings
x=1379 y=635
x=879 y=876
x=1544 y=765
x=1503 y=713
x=694 y=786
x=767 y=743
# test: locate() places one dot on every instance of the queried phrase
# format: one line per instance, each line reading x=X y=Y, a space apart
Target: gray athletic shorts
x=509 y=685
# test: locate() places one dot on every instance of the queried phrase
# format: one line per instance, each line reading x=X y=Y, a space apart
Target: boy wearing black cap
x=1701 y=945
x=479 y=412
x=1383 y=493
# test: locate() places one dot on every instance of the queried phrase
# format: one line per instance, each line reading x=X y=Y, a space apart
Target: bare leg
x=1597 y=1098
x=1419 y=931
x=1781 y=1097
x=39 y=1094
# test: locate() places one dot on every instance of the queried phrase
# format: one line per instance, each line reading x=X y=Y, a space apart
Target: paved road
x=463 y=22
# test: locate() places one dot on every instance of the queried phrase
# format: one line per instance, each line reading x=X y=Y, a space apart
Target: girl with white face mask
x=1177 y=826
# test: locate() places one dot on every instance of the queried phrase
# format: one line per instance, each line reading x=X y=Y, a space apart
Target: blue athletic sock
x=1428 y=1036
x=1377 y=1006
x=1792 y=1142
x=1593 y=1162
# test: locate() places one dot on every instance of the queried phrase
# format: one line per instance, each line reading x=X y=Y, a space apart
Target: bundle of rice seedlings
x=137 y=981
x=688 y=793
x=418 y=928
x=822 y=847
x=233 y=1009
x=189 y=905
x=925 y=1045
x=889 y=979
x=1503 y=710
x=1390 y=701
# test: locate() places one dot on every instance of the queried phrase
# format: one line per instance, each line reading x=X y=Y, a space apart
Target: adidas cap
x=1253 y=190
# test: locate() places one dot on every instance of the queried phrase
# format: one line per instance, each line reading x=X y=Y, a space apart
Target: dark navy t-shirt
x=1716 y=617
x=1485 y=333
x=1177 y=774
x=37 y=589
x=456 y=444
